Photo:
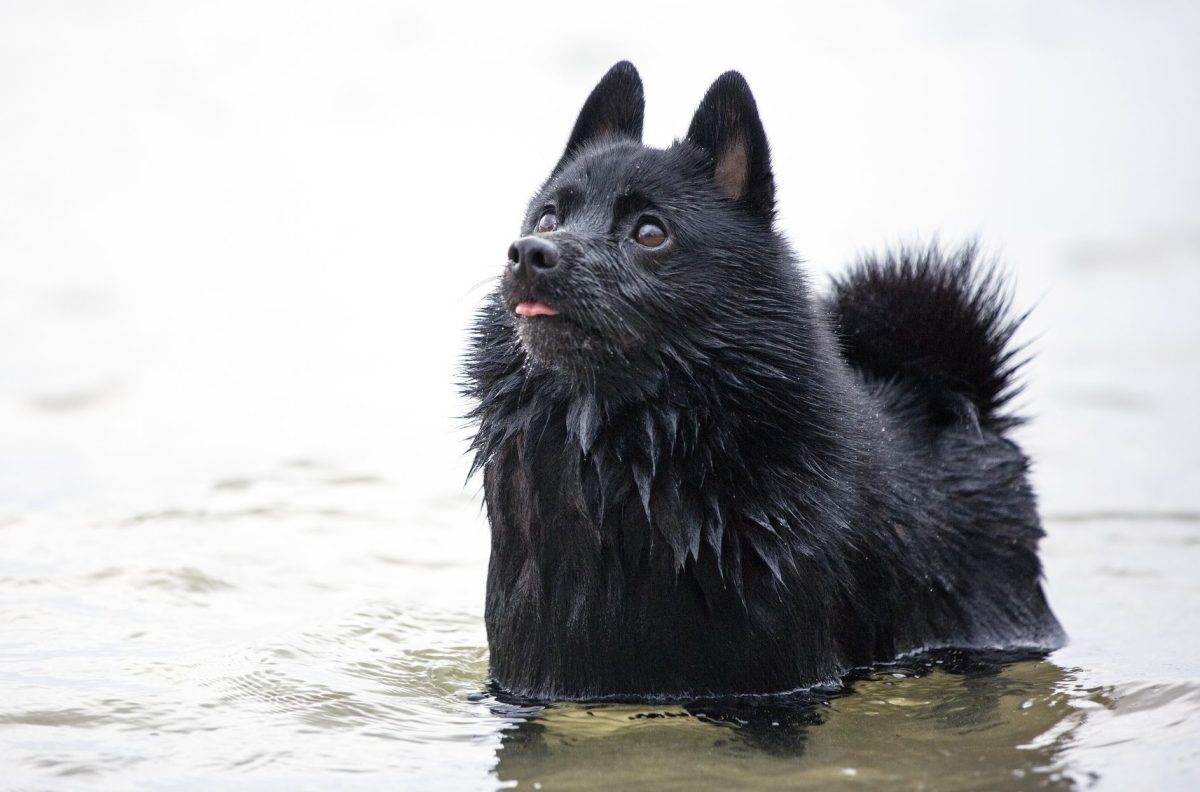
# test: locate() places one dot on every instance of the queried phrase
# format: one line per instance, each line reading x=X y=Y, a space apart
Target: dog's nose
x=530 y=256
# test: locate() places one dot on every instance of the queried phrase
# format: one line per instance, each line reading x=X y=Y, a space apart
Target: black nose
x=530 y=256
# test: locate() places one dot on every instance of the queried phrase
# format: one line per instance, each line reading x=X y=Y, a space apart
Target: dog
x=702 y=477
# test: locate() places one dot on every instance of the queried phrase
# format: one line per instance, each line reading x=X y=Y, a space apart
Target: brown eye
x=547 y=222
x=650 y=234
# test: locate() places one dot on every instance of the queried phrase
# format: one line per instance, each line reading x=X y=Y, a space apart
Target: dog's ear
x=726 y=125
x=615 y=108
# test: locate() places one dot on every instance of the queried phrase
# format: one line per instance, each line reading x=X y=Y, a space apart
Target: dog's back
x=931 y=337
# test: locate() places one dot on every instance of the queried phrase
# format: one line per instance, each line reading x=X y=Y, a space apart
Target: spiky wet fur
x=728 y=484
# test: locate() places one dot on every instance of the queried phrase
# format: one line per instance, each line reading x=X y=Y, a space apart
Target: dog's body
x=702 y=480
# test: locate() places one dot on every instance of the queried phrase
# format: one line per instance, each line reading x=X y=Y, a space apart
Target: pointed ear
x=727 y=126
x=615 y=109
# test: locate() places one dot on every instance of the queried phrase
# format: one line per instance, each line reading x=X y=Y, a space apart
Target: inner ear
x=727 y=126
x=732 y=172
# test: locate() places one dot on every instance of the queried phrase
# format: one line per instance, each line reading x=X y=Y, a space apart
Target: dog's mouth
x=529 y=309
x=552 y=336
x=566 y=337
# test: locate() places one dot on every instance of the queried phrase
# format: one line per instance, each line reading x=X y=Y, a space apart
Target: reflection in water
x=945 y=722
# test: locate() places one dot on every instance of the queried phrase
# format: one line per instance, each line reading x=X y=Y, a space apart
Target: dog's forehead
x=601 y=173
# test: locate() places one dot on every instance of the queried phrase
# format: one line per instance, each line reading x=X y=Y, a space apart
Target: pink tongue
x=528 y=309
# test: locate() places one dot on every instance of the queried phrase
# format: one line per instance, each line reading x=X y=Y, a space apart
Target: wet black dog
x=701 y=478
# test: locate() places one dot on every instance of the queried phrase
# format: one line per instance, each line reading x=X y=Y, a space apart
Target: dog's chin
x=583 y=358
x=557 y=343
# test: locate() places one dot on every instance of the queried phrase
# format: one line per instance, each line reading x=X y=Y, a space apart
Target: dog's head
x=631 y=255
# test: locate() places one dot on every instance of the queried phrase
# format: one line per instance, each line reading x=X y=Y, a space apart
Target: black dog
x=704 y=480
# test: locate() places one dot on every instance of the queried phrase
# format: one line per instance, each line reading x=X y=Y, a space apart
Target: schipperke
x=702 y=477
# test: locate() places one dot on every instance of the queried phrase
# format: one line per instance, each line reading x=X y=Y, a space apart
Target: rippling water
x=237 y=251
x=276 y=646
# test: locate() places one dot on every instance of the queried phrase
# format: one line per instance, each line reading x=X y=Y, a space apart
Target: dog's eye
x=547 y=222
x=649 y=233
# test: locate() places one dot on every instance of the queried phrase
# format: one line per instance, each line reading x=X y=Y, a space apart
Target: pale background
x=240 y=244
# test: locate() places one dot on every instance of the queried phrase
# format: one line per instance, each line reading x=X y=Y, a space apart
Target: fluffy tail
x=940 y=323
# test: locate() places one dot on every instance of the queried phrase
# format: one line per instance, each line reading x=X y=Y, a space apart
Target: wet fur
x=707 y=479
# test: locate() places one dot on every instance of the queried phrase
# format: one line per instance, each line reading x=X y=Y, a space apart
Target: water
x=238 y=246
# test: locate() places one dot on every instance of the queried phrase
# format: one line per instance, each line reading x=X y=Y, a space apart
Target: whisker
x=471 y=289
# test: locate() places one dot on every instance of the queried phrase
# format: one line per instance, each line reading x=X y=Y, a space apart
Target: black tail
x=940 y=322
